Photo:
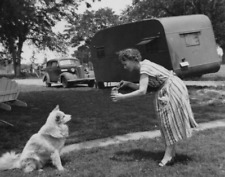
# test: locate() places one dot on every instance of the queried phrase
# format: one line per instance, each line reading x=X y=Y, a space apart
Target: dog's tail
x=9 y=160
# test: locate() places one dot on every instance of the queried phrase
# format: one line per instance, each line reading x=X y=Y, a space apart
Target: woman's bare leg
x=169 y=155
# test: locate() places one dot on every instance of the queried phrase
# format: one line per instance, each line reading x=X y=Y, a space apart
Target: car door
x=54 y=71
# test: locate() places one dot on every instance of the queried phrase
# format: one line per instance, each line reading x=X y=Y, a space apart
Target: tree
x=214 y=9
x=83 y=54
x=33 y=21
x=84 y=27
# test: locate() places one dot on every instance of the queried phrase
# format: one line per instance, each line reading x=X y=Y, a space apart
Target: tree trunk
x=16 y=63
x=17 y=69
x=16 y=49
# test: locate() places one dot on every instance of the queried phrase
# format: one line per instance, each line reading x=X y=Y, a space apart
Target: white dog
x=42 y=146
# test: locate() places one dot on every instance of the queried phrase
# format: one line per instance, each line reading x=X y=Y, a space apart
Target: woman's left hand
x=116 y=97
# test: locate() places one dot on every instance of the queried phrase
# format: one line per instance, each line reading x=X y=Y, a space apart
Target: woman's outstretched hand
x=116 y=97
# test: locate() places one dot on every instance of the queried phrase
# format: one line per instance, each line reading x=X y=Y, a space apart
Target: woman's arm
x=143 y=85
x=131 y=85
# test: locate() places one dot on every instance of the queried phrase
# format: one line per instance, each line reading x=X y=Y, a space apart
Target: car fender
x=68 y=76
x=46 y=78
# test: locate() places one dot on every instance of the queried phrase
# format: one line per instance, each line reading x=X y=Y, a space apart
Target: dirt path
x=205 y=83
x=36 y=85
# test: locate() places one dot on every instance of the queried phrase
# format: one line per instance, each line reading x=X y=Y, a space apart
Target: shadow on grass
x=140 y=155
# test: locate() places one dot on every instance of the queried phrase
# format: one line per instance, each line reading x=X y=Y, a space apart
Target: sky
x=116 y=5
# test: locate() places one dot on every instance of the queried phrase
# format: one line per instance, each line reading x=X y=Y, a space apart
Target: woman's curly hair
x=129 y=54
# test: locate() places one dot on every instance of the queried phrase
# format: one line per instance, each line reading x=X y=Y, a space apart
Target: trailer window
x=100 y=52
x=149 y=44
x=146 y=41
x=191 y=39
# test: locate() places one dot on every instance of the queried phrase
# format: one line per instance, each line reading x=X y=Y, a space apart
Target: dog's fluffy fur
x=42 y=146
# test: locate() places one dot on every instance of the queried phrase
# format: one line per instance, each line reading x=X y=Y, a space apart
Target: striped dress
x=172 y=103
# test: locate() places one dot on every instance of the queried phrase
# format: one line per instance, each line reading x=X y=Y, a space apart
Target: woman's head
x=130 y=54
x=130 y=59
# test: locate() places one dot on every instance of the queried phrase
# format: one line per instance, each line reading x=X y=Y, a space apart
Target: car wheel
x=46 y=80
x=48 y=84
x=65 y=83
x=91 y=83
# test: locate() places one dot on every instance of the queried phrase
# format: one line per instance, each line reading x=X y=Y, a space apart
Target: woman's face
x=129 y=65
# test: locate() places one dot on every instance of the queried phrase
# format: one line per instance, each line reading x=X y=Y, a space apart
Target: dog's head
x=58 y=117
x=55 y=125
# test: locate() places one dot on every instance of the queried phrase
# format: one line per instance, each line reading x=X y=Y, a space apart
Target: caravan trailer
x=184 y=44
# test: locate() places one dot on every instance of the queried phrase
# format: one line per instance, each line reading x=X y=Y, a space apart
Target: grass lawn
x=201 y=156
x=95 y=116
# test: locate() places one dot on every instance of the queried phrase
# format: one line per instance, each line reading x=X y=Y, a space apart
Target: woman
x=172 y=104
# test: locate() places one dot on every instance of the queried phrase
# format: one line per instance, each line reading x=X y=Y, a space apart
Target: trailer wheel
x=91 y=83
x=100 y=85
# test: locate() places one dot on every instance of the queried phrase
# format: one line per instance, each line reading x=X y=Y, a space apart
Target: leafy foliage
x=84 y=27
x=33 y=21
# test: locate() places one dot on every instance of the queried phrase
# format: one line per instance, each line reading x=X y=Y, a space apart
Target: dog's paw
x=65 y=170
x=61 y=169
x=28 y=170
x=40 y=170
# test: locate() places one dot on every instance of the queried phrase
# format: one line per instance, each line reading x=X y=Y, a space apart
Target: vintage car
x=66 y=71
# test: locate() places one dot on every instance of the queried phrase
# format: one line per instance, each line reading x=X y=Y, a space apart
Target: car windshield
x=69 y=62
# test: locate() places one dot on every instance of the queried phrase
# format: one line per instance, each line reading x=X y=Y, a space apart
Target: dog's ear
x=56 y=108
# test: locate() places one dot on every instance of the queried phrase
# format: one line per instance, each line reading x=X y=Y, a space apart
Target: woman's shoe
x=168 y=163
